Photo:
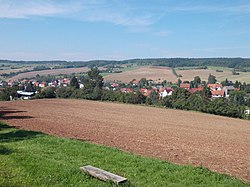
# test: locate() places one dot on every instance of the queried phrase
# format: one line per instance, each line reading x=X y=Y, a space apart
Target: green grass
x=219 y=68
x=187 y=68
x=30 y=158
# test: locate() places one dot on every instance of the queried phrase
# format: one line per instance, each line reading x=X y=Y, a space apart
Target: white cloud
x=28 y=8
x=232 y=8
x=112 y=11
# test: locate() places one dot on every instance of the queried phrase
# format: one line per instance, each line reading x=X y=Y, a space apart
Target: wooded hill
x=237 y=63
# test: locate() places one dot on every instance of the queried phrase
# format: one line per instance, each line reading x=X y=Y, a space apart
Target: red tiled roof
x=192 y=90
x=214 y=86
x=161 y=89
x=126 y=90
x=147 y=93
x=218 y=92
x=135 y=82
x=185 y=85
x=143 y=90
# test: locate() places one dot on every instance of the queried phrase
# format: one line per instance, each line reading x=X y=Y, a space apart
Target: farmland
x=49 y=72
x=218 y=143
x=189 y=74
x=159 y=74
x=155 y=73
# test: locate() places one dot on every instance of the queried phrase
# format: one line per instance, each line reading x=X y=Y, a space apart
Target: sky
x=123 y=29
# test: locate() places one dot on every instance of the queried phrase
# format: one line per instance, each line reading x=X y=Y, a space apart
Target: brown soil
x=218 y=143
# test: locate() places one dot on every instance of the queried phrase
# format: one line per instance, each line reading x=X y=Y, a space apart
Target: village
x=144 y=86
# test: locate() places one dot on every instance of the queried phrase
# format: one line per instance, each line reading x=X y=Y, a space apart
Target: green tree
x=4 y=96
x=211 y=79
x=197 y=81
x=139 y=98
x=206 y=92
x=237 y=97
x=154 y=97
x=237 y=84
x=64 y=92
x=143 y=83
x=179 y=82
x=164 y=83
x=30 y=87
x=74 y=83
x=93 y=84
x=47 y=93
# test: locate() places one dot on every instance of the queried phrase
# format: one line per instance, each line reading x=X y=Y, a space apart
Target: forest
x=237 y=63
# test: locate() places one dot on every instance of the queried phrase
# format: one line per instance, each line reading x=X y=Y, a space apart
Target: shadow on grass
x=15 y=135
x=4 y=126
x=4 y=150
x=4 y=114
x=18 y=135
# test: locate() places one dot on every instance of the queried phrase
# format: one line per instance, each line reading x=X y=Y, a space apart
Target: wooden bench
x=103 y=175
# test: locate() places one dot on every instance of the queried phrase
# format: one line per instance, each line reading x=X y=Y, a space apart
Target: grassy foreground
x=30 y=158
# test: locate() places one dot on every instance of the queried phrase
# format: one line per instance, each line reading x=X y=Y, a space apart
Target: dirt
x=219 y=143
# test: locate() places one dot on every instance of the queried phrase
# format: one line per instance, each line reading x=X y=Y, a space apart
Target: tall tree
x=74 y=83
x=211 y=79
x=237 y=97
x=30 y=87
x=93 y=84
x=197 y=81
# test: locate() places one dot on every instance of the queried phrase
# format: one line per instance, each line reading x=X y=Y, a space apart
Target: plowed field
x=218 y=143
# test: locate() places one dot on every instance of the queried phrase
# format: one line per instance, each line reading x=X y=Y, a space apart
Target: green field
x=30 y=158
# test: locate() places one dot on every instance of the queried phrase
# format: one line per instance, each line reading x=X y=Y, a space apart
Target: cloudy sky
x=123 y=29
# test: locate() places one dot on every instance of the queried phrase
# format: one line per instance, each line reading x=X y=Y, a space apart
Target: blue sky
x=123 y=29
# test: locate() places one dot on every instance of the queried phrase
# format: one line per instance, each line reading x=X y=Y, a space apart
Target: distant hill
x=237 y=63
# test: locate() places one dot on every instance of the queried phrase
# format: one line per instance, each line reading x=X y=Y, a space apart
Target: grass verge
x=29 y=158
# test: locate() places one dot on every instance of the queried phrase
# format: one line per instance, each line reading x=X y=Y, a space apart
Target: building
x=185 y=86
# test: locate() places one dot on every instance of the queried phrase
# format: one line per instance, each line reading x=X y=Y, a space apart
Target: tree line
x=237 y=63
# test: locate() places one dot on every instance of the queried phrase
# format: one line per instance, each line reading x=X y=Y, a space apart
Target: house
x=217 y=93
x=25 y=95
x=3 y=83
x=64 y=82
x=215 y=86
x=192 y=90
x=185 y=86
x=247 y=112
x=24 y=81
x=165 y=92
x=10 y=83
x=42 y=84
x=148 y=93
x=35 y=83
x=135 y=82
x=81 y=85
x=143 y=90
x=114 y=85
x=228 y=89
x=126 y=90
